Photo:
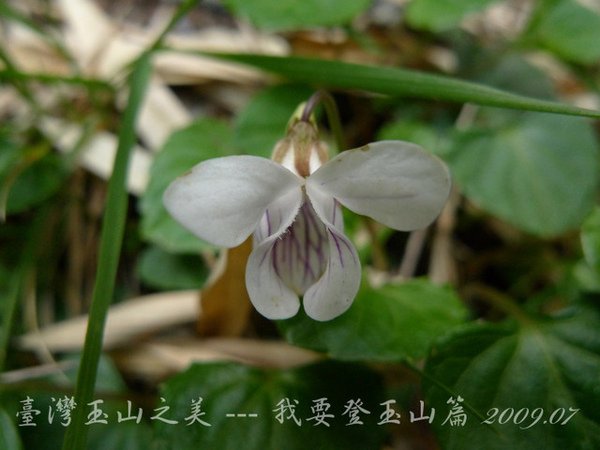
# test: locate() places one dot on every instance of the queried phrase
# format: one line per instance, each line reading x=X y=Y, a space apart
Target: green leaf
x=166 y=271
x=109 y=378
x=49 y=435
x=440 y=15
x=512 y=72
x=538 y=172
x=587 y=270
x=227 y=388
x=9 y=438
x=202 y=140
x=397 y=82
x=36 y=184
x=587 y=278
x=414 y=131
x=125 y=435
x=28 y=176
x=590 y=239
x=294 y=14
x=572 y=31
x=391 y=323
x=264 y=120
x=550 y=368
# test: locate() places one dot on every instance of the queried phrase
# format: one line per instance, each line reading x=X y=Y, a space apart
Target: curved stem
x=333 y=115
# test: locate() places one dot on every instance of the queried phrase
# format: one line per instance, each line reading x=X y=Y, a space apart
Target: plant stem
x=333 y=115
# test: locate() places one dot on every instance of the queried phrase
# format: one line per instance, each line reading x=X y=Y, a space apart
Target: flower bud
x=301 y=151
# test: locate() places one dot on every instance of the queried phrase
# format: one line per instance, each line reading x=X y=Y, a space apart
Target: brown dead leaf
x=155 y=360
x=125 y=322
x=225 y=305
x=98 y=152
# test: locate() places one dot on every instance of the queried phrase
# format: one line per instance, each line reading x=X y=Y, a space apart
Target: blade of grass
x=328 y=74
x=11 y=75
x=21 y=88
x=110 y=247
x=111 y=240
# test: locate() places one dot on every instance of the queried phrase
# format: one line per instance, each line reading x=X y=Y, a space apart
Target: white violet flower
x=291 y=205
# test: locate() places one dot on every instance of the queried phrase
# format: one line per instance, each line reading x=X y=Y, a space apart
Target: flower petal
x=334 y=293
x=222 y=200
x=396 y=183
x=267 y=291
x=300 y=255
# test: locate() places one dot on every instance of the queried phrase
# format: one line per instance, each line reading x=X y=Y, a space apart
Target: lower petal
x=334 y=292
x=300 y=255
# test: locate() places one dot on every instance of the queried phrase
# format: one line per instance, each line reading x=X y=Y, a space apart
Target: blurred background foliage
x=497 y=302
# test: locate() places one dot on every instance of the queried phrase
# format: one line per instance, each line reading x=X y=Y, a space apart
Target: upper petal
x=334 y=292
x=222 y=200
x=396 y=183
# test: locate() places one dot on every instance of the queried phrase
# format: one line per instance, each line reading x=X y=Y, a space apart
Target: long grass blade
x=393 y=81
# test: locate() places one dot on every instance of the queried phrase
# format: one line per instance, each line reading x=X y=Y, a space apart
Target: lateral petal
x=267 y=291
x=396 y=183
x=222 y=200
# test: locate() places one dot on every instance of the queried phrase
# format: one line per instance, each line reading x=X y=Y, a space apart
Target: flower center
x=301 y=151
x=300 y=257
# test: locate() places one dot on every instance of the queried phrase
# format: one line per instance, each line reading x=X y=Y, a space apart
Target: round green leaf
x=36 y=184
x=166 y=271
x=588 y=278
x=125 y=435
x=587 y=271
x=536 y=171
x=226 y=388
x=391 y=323
x=296 y=14
x=202 y=140
x=550 y=367
x=412 y=131
x=440 y=15
x=9 y=438
x=513 y=73
x=590 y=239
x=27 y=178
x=572 y=31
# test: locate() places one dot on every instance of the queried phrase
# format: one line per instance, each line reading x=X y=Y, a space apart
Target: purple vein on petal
x=299 y=258
x=337 y=246
x=268 y=222
x=312 y=220
x=307 y=245
x=345 y=243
